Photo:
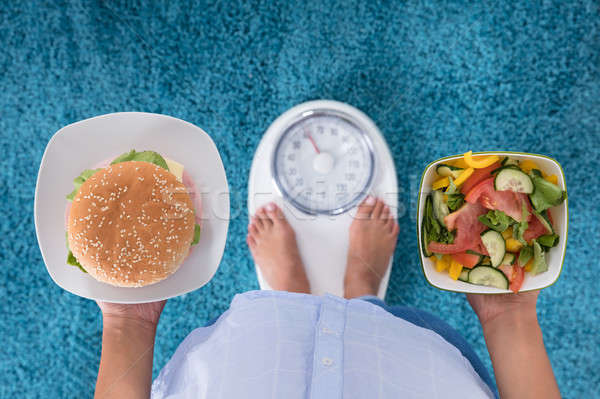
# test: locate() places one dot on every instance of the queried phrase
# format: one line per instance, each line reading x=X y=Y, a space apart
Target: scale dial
x=324 y=162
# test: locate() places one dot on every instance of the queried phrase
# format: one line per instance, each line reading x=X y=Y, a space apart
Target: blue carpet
x=437 y=78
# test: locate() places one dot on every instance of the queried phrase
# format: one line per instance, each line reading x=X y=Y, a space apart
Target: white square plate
x=84 y=144
x=554 y=257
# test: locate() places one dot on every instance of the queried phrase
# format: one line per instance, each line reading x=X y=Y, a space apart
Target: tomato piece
x=468 y=230
x=515 y=275
x=506 y=201
x=480 y=248
x=534 y=229
x=550 y=218
x=518 y=275
x=482 y=187
x=477 y=176
x=467 y=260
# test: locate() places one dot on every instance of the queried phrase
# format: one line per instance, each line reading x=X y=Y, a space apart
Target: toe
x=251 y=242
x=257 y=222
x=395 y=229
x=253 y=229
x=385 y=213
x=377 y=210
x=366 y=208
x=264 y=218
x=274 y=213
x=389 y=224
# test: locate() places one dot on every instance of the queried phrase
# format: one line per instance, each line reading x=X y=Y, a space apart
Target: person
x=287 y=343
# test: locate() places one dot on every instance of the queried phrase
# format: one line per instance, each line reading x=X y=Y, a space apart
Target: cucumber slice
x=513 y=179
x=424 y=241
x=495 y=245
x=488 y=276
x=464 y=275
x=497 y=170
x=448 y=170
x=440 y=209
x=424 y=232
x=509 y=259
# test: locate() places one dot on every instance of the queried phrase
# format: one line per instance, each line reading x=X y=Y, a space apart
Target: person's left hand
x=145 y=313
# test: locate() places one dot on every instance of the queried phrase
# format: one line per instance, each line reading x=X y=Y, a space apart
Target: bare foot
x=272 y=242
x=373 y=235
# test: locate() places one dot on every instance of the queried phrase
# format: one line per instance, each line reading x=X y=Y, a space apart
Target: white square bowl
x=84 y=144
x=555 y=257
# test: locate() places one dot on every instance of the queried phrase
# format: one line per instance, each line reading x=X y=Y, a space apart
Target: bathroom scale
x=318 y=161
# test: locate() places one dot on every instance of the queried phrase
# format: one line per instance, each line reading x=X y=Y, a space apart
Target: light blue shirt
x=280 y=345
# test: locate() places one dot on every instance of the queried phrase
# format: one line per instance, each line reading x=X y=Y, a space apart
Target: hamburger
x=132 y=222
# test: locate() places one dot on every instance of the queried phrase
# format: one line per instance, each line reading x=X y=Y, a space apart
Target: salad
x=488 y=220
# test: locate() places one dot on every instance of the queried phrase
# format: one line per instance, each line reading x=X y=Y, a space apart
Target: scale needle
x=309 y=136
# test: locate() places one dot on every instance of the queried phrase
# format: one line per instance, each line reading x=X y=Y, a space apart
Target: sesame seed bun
x=131 y=224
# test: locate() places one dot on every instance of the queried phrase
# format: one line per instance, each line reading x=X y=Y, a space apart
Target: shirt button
x=327 y=361
x=326 y=330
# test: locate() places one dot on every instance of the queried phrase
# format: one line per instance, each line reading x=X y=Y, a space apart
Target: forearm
x=520 y=361
x=126 y=360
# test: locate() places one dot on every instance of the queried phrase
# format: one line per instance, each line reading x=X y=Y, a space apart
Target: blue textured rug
x=436 y=78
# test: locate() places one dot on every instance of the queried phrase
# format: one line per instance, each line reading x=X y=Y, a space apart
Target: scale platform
x=322 y=232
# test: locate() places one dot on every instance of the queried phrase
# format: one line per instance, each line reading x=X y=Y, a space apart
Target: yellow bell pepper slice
x=528 y=165
x=443 y=182
x=441 y=264
x=455 y=269
x=529 y=265
x=463 y=176
x=480 y=163
x=460 y=163
x=433 y=259
x=513 y=245
x=508 y=233
x=552 y=179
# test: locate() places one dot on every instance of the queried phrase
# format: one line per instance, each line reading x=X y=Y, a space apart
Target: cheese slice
x=175 y=168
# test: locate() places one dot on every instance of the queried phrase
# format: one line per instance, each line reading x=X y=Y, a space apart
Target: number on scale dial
x=324 y=163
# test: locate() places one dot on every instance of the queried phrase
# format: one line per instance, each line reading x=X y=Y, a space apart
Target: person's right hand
x=514 y=340
x=489 y=307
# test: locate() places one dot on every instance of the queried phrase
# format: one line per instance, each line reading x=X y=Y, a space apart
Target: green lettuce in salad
x=525 y=255
x=546 y=194
x=539 y=259
x=434 y=229
x=455 y=197
x=548 y=240
x=497 y=220
x=522 y=226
